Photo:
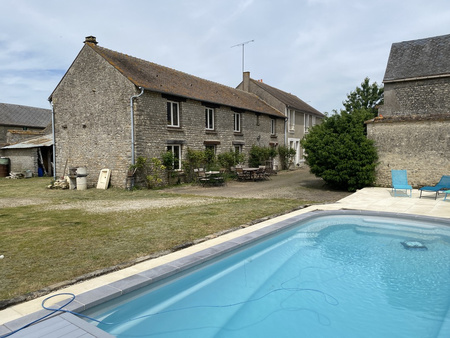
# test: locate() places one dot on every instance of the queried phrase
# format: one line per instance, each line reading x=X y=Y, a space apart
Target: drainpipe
x=286 y=126
x=53 y=137
x=132 y=124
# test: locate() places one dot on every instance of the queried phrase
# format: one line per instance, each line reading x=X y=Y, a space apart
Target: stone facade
x=92 y=119
x=418 y=145
x=417 y=97
x=153 y=135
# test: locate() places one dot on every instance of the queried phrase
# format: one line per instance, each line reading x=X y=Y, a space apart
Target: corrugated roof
x=288 y=99
x=24 y=116
x=41 y=141
x=165 y=80
x=421 y=58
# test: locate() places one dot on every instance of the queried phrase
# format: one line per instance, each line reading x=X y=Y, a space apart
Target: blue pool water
x=339 y=276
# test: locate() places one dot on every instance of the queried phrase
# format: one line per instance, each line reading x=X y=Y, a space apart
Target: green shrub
x=286 y=155
x=259 y=155
x=150 y=171
x=230 y=159
x=194 y=159
x=338 y=150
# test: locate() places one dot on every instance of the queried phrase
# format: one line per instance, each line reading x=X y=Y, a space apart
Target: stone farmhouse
x=412 y=130
x=109 y=108
x=25 y=139
x=300 y=115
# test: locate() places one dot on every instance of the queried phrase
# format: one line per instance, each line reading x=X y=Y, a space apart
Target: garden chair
x=443 y=184
x=241 y=175
x=400 y=181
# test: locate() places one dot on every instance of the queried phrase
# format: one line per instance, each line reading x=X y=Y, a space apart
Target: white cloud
x=319 y=50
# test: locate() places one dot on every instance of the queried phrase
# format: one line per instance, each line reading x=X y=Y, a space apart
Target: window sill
x=174 y=128
x=238 y=133
x=274 y=136
x=210 y=132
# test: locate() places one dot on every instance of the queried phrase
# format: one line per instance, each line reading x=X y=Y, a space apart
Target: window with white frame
x=209 y=118
x=237 y=122
x=273 y=129
x=307 y=122
x=291 y=119
x=173 y=114
x=176 y=151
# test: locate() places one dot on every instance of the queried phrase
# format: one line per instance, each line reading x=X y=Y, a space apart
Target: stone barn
x=412 y=130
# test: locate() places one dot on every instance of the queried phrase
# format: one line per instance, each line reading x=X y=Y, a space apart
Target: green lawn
x=44 y=243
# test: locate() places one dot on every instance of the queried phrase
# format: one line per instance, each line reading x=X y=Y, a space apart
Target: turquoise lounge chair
x=443 y=184
x=446 y=192
x=400 y=181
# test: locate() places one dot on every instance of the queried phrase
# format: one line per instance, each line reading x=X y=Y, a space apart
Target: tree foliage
x=338 y=150
x=368 y=97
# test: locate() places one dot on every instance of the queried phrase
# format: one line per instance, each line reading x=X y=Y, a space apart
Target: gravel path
x=296 y=184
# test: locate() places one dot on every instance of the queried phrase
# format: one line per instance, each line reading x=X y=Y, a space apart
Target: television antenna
x=243 y=44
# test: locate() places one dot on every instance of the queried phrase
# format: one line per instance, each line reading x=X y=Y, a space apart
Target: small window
x=176 y=151
x=209 y=119
x=237 y=122
x=173 y=114
x=238 y=148
x=273 y=129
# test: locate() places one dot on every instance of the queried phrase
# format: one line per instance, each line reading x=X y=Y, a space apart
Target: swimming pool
x=342 y=275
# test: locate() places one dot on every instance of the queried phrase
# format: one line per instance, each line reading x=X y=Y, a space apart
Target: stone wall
x=16 y=136
x=153 y=135
x=22 y=159
x=419 y=144
x=11 y=134
x=92 y=119
x=406 y=98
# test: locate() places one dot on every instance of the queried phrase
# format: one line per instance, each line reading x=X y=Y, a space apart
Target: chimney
x=91 y=39
x=246 y=82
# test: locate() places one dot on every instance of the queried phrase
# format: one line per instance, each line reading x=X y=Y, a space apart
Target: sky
x=318 y=50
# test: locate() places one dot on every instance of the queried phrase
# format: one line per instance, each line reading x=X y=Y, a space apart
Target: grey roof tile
x=288 y=99
x=421 y=58
x=162 y=79
x=24 y=116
